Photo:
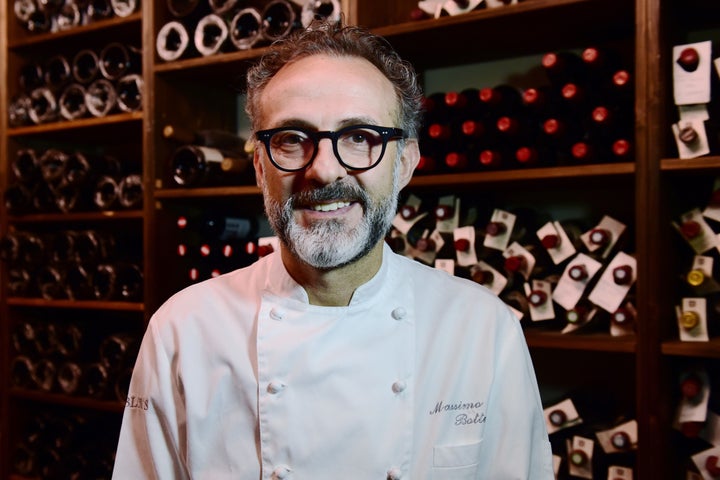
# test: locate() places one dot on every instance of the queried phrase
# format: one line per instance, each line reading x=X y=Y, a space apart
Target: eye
x=289 y=138
x=361 y=137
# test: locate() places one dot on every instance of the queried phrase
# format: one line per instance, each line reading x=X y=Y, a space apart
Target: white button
x=275 y=387
x=399 y=313
x=394 y=474
x=281 y=472
x=399 y=386
x=276 y=314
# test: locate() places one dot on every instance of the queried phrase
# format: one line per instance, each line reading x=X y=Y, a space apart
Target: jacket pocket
x=456 y=462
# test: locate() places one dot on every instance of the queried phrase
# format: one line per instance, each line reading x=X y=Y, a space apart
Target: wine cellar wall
x=558 y=170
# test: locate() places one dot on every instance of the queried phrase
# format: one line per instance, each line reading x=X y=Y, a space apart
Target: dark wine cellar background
x=106 y=212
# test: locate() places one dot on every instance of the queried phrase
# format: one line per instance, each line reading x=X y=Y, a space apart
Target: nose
x=325 y=167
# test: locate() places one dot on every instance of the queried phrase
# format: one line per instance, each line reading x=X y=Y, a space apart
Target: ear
x=258 y=164
x=408 y=161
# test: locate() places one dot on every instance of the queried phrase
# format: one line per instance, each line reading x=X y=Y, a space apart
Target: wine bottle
x=117 y=59
x=245 y=28
x=31 y=76
x=279 y=18
x=564 y=66
x=501 y=100
x=19 y=282
x=214 y=138
x=97 y=380
x=57 y=72
x=124 y=8
x=68 y=16
x=43 y=106
x=44 y=374
x=23 y=9
x=85 y=66
x=21 y=368
x=19 y=110
x=194 y=165
x=39 y=22
x=77 y=281
x=92 y=246
x=26 y=166
x=327 y=10
x=211 y=34
x=19 y=198
x=69 y=377
x=121 y=281
x=182 y=8
x=130 y=191
x=72 y=102
x=99 y=10
x=119 y=350
x=51 y=283
x=129 y=90
x=105 y=193
x=173 y=41
x=223 y=8
x=70 y=338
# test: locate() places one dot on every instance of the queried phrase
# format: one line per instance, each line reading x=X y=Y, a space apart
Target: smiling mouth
x=329 y=207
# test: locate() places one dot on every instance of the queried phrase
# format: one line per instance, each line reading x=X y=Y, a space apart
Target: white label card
x=500 y=242
x=699 y=333
x=629 y=428
x=567 y=408
x=546 y=310
x=706 y=239
x=615 y=227
x=692 y=85
x=569 y=291
x=565 y=249
x=469 y=257
x=518 y=250
x=699 y=146
x=607 y=294
x=449 y=224
x=701 y=461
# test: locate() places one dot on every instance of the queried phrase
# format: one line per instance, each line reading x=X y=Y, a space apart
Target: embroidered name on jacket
x=470 y=412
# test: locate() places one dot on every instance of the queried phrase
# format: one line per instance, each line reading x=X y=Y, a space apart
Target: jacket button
x=275 y=387
x=399 y=386
x=399 y=313
x=281 y=472
x=394 y=474
x=276 y=314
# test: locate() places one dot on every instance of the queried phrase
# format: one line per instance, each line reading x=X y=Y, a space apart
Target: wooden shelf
x=68 y=400
x=238 y=191
x=77 y=216
x=597 y=342
x=83 y=123
x=709 y=349
x=78 y=304
x=680 y=164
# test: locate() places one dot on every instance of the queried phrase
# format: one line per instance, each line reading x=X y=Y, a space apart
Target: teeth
x=330 y=206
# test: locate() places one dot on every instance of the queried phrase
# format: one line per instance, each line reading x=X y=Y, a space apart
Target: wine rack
x=638 y=373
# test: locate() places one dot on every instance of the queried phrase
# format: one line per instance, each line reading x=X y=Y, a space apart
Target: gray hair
x=336 y=39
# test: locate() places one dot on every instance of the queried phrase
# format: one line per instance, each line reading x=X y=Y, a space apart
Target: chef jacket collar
x=282 y=285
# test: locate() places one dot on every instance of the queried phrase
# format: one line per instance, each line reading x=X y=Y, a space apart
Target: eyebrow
x=304 y=124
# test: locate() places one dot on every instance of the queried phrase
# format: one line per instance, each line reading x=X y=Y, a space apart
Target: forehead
x=325 y=90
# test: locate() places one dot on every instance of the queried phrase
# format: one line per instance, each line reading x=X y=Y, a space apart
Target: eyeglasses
x=357 y=147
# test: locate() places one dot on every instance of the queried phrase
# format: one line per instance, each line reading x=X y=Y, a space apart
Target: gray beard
x=332 y=244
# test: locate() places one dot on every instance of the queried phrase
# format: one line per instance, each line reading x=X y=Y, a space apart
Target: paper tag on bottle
x=569 y=291
x=607 y=294
x=693 y=409
x=273 y=242
x=499 y=3
x=584 y=445
x=614 y=227
x=692 y=85
x=556 y=462
x=545 y=311
x=626 y=328
x=696 y=112
x=697 y=306
x=699 y=146
x=500 y=242
x=706 y=239
x=468 y=257
x=404 y=224
x=711 y=432
x=445 y=264
x=452 y=7
x=571 y=327
x=566 y=410
x=447 y=225
x=616 y=472
x=703 y=264
x=499 y=281
x=706 y=458
x=515 y=249
x=628 y=428
x=564 y=249
x=428 y=256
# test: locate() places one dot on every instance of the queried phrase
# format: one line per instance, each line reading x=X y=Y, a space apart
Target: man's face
x=326 y=215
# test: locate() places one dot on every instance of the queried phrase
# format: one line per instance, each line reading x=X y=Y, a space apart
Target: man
x=334 y=358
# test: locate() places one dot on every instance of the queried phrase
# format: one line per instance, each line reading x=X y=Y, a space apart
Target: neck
x=334 y=287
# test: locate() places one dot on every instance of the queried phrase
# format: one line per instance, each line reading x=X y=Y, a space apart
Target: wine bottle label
x=564 y=248
x=690 y=138
x=540 y=311
x=608 y=439
x=692 y=70
x=692 y=319
x=609 y=224
x=626 y=327
x=434 y=242
x=608 y=294
x=561 y=415
x=580 y=456
x=445 y=264
x=404 y=222
x=465 y=257
x=568 y=291
x=615 y=472
x=581 y=321
x=211 y=155
x=693 y=409
x=449 y=224
x=498 y=280
x=702 y=237
x=708 y=462
x=500 y=241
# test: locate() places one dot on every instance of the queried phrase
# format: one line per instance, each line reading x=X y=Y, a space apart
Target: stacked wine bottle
x=73 y=264
x=209 y=27
x=89 y=83
x=54 y=180
x=44 y=16
x=583 y=114
x=570 y=276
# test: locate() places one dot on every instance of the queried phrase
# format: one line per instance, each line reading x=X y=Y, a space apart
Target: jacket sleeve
x=515 y=443
x=152 y=428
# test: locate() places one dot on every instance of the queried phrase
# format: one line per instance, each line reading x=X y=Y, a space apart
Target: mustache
x=334 y=192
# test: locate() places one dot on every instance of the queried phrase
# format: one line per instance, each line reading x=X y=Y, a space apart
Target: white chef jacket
x=423 y=376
